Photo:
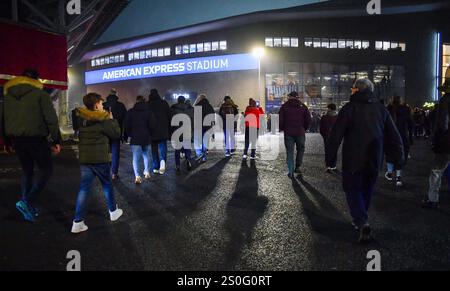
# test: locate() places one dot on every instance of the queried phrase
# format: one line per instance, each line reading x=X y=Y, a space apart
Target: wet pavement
x=226 y=215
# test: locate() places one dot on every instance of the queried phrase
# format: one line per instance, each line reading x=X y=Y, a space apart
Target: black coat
x=367 y=129
x=117 y=108
x=139 y=124
x=207 y=109
x=441 y=136
x=161 y=111
x=402 y=117
x=182 y=108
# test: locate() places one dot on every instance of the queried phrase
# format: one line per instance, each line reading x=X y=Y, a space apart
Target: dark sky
x=148 y=16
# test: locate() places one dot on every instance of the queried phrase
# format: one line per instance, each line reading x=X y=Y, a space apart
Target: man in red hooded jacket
x=253 y=115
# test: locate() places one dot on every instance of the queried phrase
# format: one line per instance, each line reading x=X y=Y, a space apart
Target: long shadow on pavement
x=243 y=212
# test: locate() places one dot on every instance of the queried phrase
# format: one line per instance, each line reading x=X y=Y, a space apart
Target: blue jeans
x=115 y=149
x=34 y=153
x=291 y=143
x=159 y=153
x=359 y=188
x=138 y=152
x=201 y=146
x=88 y=174
x=187 y=154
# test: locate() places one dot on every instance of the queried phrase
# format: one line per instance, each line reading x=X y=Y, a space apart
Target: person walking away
x=119 y=112
x=401 y=114
x=97 y=127
x=29 y=120
x=201 y=146
x=441 y=146
x=295 y=120
x=139 y=125
x=367 y=129
x=184 y=144
x=160 y=135
x=326 y=125
x=253 y=115
x=229 y=109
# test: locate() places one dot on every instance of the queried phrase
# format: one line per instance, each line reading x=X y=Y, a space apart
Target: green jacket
x=28 y=110
x=96 y=130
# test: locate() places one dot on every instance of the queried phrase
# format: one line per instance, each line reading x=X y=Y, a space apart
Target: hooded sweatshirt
x=117 y=108
x=96 y=130
x=28 y=111
x=295 y=118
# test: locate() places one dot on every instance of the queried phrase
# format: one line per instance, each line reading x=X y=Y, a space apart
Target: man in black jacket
x=161 y=111
x=183 y=143
x=441 y=147
x=201 y=146
x=367 y=130
x=119 y=112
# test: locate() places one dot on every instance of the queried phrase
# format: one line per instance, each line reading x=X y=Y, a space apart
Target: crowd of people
x=369 y=131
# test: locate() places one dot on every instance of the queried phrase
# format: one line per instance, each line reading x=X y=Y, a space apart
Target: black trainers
x=365 y=234
x=389 y=176
x=426 y=203
x=189 y=165
x=297 y=170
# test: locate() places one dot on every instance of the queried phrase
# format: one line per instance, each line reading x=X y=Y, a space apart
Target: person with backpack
x=119 y=112
x=97 y=127
x=139 y=125
x=184 y=143
x=253 y=115
x=161 y=112
x=229 y=110
x=31 y=129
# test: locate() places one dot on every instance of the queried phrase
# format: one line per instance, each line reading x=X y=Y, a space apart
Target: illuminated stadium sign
x=225 y=63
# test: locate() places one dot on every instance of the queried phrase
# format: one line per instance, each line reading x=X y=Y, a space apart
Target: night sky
x=149 y=16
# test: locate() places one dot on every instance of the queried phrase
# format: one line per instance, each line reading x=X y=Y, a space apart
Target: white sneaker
x=138 y=181
x=147 y=176
x=115 y=215
x=244 y=157
x=155 y=172
x=79 y=227
x=162 y=168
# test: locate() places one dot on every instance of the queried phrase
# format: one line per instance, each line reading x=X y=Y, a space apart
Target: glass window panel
x=92 y=63
x=102 y=61
x=366 y=44
x=192 y=48
x=277 y=42
x=207 y=46
x=122 y=58
x=349 y=43
x=136 y=55
x=386 y=45
x=178 y=50
x=167 y=51
x=160 y=52
x=269 y=41
x=97 y=62
x=394 y=45
x=378 y=45
x=325 y=43
x=316 y=42
x=446 y=61
x=403 y=46
x=142 y=55
x=112 y=59
x=358 y=44
x=200 y=47
x=294 y=42
x=223 y=45
x=308 y=42
x=286 y=42
x=311 y=68
x=148 y=54
x=154 y=53
x=185 y=49
x=341 y=44
x=215 y=46
x=107 y=61
x=130 y=56
x=333 y=43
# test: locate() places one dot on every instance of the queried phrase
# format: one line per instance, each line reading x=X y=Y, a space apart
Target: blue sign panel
x=225 y=63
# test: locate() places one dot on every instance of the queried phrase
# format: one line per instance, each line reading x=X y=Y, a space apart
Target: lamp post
x=259 y=54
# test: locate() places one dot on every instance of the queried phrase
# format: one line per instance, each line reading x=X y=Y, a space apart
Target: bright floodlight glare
x=258 y=52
